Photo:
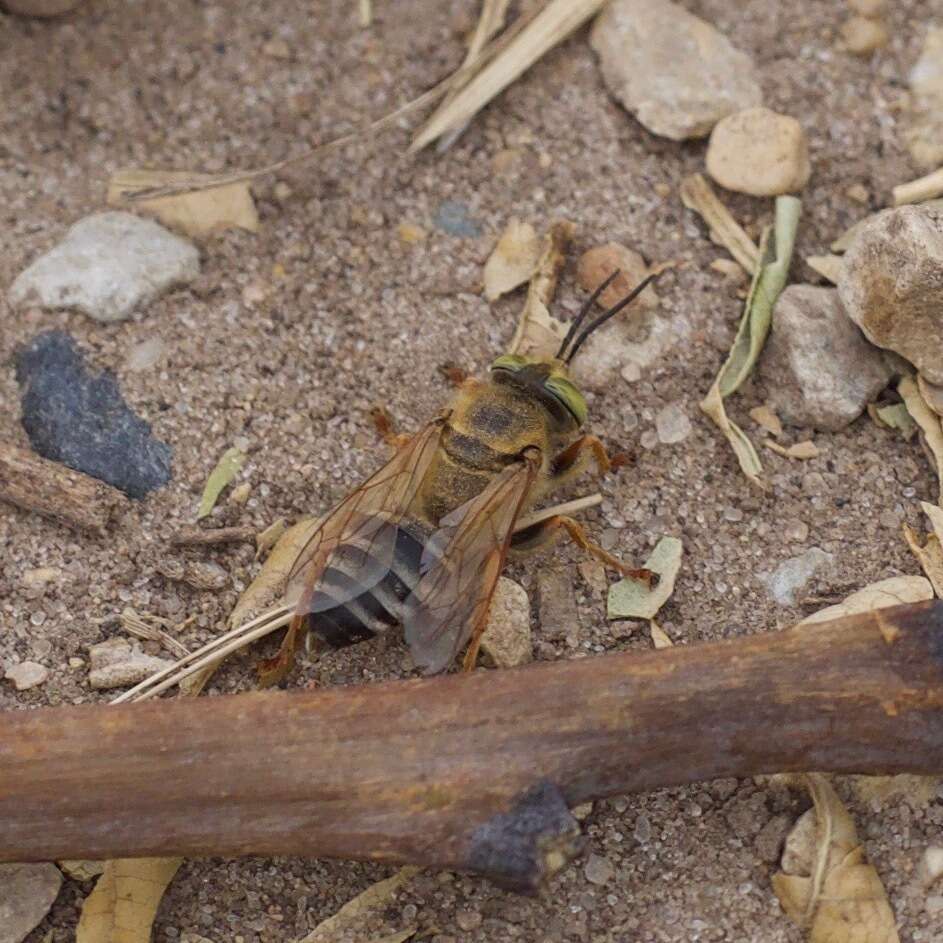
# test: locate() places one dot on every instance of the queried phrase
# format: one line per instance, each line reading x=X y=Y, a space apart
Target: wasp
x=422 y=542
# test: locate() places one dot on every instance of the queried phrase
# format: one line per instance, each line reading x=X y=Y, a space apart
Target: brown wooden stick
x=469 y=772
x=200 y=536
x=36 y=484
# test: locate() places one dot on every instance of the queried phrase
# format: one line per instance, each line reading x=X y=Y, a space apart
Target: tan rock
x=862 y=36
x=759 y=152
x=596 y=265
x=925 y=132
x=507 y=640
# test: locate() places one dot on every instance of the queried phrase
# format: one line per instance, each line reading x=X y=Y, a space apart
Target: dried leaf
x=768 y=282
x=802 y=450
x=196 y=213
x=828 y=266
x=353 y=910
x=894 y=591
x=81 y=870
x=920 y=190
x=630 y=599
x=698 y=195
x=557 y=20
x=928 y=421
x=765 y=417
x=842 y=243
x=538 y=333
x=513 y=260
x=660 y=638
x=226 y=469
x=842 y=899
x=932 y=394
x=267 y=588
x=929 y=556
x=894 y=416
x=122 y=906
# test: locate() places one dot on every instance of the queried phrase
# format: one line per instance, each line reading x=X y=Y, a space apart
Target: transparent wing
x=357 y=538
x=361 y=529
x=460 y=568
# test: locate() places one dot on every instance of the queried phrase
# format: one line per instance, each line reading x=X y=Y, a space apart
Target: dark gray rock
x=818 y=368
x=454 y=218
x=80 y=418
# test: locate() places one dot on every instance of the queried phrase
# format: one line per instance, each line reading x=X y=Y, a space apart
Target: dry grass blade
x=918 y=191
x=366 y=12
x=557 y=20
x=841 y=899
x=490 y=23
x=567 y=507
x=828 y=266
x=768 y=281
x=332 y=928
x=698 y=195
x=538 y=333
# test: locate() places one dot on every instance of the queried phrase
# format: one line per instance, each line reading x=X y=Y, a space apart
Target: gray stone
x=27 y=891
x=676 y=73
x=556 y=606
x=454 y=218
x=117 y=664
x=818 y=368
x=598 y=870
x=672 y=424
x=107 y=266
x=892 y=284
x=80 y=418
x=507 y=639
x=792 y=575
x=27 y=674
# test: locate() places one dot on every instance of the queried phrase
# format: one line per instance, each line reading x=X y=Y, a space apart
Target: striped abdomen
x=362 y=590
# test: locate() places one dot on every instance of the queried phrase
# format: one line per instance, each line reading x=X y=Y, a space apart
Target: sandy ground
x=353 y=315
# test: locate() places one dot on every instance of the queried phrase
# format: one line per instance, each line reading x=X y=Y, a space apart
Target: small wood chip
x=698 y=195
x=198 y=536
x=765 y=417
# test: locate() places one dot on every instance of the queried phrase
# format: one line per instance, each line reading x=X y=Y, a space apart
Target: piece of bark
x=473 y=771
x=37 y=484
x=198 y=536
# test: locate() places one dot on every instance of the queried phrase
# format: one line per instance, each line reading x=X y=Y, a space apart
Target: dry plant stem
x=201 y=181
x=467 y=771
x=51 y=489
x=267 y=622
x=917 y=191
x=566 y=508
x=698 y=195
x=199 y=537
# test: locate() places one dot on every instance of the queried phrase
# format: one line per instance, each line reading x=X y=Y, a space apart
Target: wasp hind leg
x=384 y=426
x=548 y=531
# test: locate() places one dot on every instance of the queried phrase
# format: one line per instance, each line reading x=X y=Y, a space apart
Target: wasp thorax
x=544 y=376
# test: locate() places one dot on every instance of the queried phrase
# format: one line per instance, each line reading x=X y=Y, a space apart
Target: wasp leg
x=453 y=373
x=575 y=459
x=548 y=531
x=384 y=425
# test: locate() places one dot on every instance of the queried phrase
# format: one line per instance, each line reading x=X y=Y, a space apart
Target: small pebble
x=468 y=920
x=672 y=424
x=931 y=865
x=117 y=663
x=26 y=675
x=410 y=233
x=862 y=35
x=797 y=531
x=144 y=355
x=643 y=830
x=598 y=870
x=277 y=49
x=597 y=264
x=759 y=152
x=631 y=372
x=785 y=582
x=648 y=439
x=858 y=192
x=453 y=218
x=507 y=640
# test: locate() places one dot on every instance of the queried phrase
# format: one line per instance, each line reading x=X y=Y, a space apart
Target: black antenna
x=611 y=313
x=578 y=320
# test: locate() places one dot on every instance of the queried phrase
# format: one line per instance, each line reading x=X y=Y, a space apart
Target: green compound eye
x=570 y=396
x=509 y=362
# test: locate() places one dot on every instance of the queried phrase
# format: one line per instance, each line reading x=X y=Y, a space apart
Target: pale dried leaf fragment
x=124 y=902
x=513 y=260
x=631 y=599
x=894 y=416
x=801 y=450
x=894 y=591
x=765 y=417
x=928 y=187
x=375 y=895
x=932 y=394
x=828 y=266
x=538 y=333
x=555 y=21
x=698 y=195
x=768 y=282
x=196 y=213
x=927 y=420
x=929 y=555
x=841 y=899
x=226 y=469
x=81 y=869
x=660 y=638
x=266 y=539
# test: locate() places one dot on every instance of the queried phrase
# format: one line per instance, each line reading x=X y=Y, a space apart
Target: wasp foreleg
x=384 y=425
x=575 y=459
